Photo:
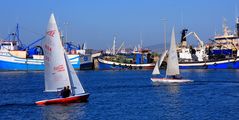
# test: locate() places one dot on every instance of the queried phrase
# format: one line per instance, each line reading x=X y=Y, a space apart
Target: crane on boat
x=196 y=36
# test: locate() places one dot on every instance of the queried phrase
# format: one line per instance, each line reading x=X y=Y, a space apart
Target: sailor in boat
x=65 y=92
x=68 y=91
x=177 y=77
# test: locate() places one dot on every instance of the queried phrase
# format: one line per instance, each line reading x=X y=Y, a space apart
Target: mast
x=164 y=26
x=141 y=41
x=113 y=48
x=237 y=26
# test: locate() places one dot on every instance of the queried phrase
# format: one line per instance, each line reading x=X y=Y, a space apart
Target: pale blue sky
x=96 y=21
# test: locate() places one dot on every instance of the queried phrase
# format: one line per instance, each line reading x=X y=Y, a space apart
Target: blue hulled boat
x=222 y=53
x=15 y=56
x=131 y=61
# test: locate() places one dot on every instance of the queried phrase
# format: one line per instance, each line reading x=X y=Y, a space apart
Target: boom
x=196 y=36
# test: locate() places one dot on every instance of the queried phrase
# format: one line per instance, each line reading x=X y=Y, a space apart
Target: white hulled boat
x=172 y=71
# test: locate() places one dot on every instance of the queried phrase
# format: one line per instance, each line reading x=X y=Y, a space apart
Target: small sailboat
x=172 y=71
x=58 y=70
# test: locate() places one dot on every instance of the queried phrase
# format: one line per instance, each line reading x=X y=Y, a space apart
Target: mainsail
x=56 y=75
x=172 y=63
x=59 y=72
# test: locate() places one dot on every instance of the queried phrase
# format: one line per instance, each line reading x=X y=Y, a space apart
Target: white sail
x=56 y=75
x=76 y=86
x=172 y=63
x=158 y=64
x=156 y=69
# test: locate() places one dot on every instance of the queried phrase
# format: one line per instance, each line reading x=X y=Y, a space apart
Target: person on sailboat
x=68 y=91
x=64 y=92
x=177 y=77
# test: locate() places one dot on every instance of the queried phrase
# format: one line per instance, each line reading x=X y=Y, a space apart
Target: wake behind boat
x=170 y=80
x=58 y=70
x=172 y=71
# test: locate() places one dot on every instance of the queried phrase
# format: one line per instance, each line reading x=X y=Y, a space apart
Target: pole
x=165 y=41
x=66 y=25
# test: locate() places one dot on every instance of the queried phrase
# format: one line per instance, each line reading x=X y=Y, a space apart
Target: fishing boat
x=58 y=70
x=172 y=71
x=17 y=60
x=16 y=56
x=222 y=53
x=137 y=59
x=104 y=64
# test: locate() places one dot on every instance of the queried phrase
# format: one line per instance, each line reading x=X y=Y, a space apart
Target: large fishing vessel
x=15 y=56
x=222 y=53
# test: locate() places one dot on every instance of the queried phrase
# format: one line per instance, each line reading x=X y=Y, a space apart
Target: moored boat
x=222 y=53
x=10 y=62
x=127 y=59
x=110 y=65
x=15 y=56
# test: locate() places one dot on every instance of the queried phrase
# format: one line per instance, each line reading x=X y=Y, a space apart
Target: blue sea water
x=125 y=95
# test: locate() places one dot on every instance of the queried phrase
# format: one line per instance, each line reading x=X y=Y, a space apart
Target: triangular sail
x=76 y=86
x=56 y=75
x=172 y=63
x=156 y=69
x=158 y=64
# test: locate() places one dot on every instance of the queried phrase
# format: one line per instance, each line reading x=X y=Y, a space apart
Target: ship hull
x=219 y=64
x=71 y=99
x=109 y=65
x=86 y=62
x=9 y=62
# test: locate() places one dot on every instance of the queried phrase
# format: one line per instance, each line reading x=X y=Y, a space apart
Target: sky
x=95 y=22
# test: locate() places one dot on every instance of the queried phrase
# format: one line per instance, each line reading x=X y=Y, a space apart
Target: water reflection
x=63 y=112
x=168 y=95
x=173 y=88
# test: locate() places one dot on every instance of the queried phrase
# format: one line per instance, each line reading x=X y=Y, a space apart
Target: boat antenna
x=164 y=20
x=236 y=12
x=113 y=48
x=66 y=27
x=141 y=40
x=237 y=21
x=17 y=34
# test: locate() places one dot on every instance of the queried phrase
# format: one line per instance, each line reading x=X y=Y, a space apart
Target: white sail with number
x=56 y=76
x=58 y=70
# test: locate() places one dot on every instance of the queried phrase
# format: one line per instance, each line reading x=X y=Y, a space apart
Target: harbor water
x=123 y=95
